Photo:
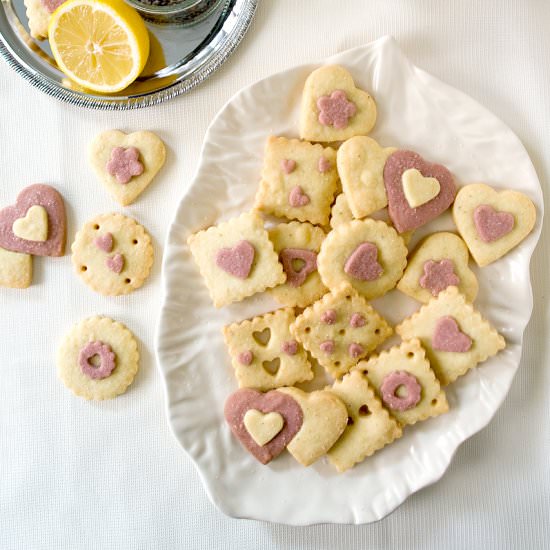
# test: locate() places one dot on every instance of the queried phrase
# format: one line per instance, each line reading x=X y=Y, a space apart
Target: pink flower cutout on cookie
x=124 y=164
x=52 y=5
x=392 y=382
x=335 y=110
x=106 y=360
x=492 y=225
x=438 y=276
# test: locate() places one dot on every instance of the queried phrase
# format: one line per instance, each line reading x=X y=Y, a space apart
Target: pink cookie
x=404 y=217
x=35 y=195
x=243 y=400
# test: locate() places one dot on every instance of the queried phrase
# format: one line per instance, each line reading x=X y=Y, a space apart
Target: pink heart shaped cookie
x=236 y=261
x=244 y=400
x=49 y=199
x=403 y=216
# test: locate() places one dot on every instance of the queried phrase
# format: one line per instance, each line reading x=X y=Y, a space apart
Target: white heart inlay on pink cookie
x=236 y=261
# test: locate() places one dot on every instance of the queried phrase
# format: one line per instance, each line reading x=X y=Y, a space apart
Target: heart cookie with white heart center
x=126 y=163
x=402 y=169
x=36 y=224
x=241 y=402
x=492 y=223
x=325 y=418
x=333 y=108
x=263 y=427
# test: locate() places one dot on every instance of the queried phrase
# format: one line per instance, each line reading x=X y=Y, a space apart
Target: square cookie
x=405 y=383
x=236 y=259
x=454 y=334
x=299 y=180
x=370 y=426
x=340 y=329
x=297 y=245
x=15 y=269
x=264 y=354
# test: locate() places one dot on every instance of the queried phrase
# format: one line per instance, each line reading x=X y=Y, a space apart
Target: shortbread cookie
x=361 y=168
x=264 y=354
x=492 y=222
x=455 y=336
x=126 y=163
x=297 y=245
x=370 y=427
x=39 y=12
x=340 y=212
x=325 y=417
x=405 y=383
x=340 y=329
x=98 y=358
x=264 y=423
x=367 y=254
x=36 y=223
x=236 y=259
x=418 y=191
x=15 y=269
x=299 y=180
x=441 y=260
x=113 y=254
x=333 y=108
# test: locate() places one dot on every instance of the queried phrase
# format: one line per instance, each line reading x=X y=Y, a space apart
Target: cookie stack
x=325 y=264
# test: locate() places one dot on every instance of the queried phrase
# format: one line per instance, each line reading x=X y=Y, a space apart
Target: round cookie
x=98 y=358
x=368 y=254
x=113 y=254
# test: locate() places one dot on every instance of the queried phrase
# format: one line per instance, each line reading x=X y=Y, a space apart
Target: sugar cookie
x=15 y=269
x=38 y=13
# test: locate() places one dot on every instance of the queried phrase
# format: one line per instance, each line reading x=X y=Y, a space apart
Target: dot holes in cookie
x=272 y=367
x=308 y=329
x=410 y=355
x=83 y=268
x=134 y=241
x=434 y=402
x=262 y=337
x=350 y=421
x=96 y=226
x=364 y=410
x=298 y=264
x=342 y=331
x=377 y=331
x=336 y=363
x=127 y=281
x=348 y=297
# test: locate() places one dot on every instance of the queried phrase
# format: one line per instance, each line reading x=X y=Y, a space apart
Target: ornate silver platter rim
x=233 y=25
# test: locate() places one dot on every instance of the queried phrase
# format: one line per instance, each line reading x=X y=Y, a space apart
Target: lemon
x=102 y=45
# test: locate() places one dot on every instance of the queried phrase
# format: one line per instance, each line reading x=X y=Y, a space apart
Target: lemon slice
x=102 y=45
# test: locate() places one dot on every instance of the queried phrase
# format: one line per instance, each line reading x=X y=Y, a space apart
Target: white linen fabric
x=107 y=475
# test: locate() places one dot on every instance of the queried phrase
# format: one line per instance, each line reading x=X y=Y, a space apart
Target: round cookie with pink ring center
x=113 y=254
x=98 y=358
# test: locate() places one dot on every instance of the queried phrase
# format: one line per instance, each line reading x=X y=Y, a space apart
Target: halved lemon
x=102 y=45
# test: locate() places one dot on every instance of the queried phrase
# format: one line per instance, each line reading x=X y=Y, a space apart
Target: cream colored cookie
x=15 y=269
x=113 y=254
x=340 y=212
x=299 y=180
x=236 y=259
x=110 y=156
x=409 y=358
x=455 y=336
x=297 y=245
x=39 y=17
x=325 y=417
x=264 y=354
x=370 y=426
x=340 y=329
x=361 y=167
x=439 y=261
x=87 y=374
x=333 y=108
x=367 y=254
x=492 y=222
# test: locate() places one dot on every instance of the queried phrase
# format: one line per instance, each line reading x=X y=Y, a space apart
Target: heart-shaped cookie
x=240 y=402
x=106 y=155
x=439 y=261
x=333 y=108
x=403 y=215
x=325 y=418
x=262 y=427
x=36 y=224
x=417 y=189
x=483 y=217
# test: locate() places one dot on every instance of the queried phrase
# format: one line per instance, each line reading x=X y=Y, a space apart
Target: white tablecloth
x=75 y=474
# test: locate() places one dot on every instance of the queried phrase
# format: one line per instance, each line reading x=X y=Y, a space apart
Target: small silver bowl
x=175 y=12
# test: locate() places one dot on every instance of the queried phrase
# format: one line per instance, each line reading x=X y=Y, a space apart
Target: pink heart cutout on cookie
x=491 y=224
x=447 y=336
x=404 y=217
x=236 y=261
x=105 y=242
x=288 y=165
x=115 y=263
x=52 y=202
x=296 y=277
x=363 y=263
x=243 y=400
x=297 y=197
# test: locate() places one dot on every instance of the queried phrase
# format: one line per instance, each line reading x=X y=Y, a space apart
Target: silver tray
x=181 y=56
